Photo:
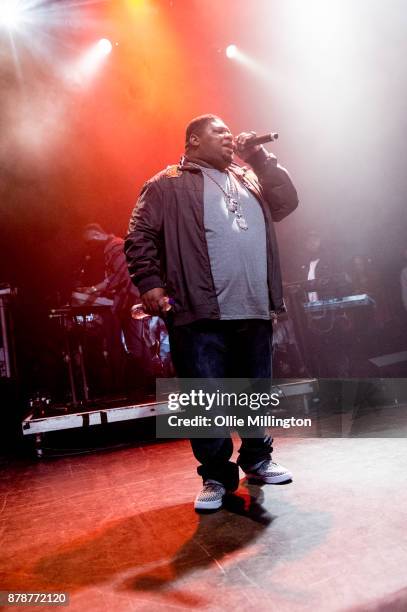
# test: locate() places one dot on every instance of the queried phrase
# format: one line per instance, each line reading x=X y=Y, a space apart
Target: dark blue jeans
x=224 y=349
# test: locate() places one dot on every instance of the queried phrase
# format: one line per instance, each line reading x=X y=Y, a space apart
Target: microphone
x=258 y=140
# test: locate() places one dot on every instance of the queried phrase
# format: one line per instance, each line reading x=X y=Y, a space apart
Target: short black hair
x=197 y=125
x=93 y=227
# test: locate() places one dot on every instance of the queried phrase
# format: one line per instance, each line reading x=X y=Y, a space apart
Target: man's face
x=93 y=236
x=313 y=244
x=215 y=144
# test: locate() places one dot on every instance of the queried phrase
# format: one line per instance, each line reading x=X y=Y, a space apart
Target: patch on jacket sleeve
x=172 y=171
x=251 y=176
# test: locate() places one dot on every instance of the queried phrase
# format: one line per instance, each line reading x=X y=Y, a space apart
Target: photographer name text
x=235 y=421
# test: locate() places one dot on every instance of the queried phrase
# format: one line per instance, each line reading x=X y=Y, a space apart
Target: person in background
x=139 y=337
x=326 y=331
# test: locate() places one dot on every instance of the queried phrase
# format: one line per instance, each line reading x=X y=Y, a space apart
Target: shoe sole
x=287 y=477
x=208 y=505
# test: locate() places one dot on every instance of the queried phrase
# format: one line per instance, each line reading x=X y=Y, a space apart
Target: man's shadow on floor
x=219 y=536
x=157 y=549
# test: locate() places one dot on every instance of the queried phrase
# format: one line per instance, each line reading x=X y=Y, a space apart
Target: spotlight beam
x=231 y=51
x=234 y=53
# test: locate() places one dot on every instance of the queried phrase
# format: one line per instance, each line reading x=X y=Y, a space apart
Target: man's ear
x=194 y=140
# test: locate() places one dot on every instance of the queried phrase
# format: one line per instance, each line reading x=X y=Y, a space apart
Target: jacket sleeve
x=277 y=186
x=143 y=243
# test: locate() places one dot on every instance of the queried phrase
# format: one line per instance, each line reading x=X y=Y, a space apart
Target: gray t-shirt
x=238 y=257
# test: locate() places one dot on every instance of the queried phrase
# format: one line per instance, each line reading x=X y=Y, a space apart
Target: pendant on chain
x=242 y=223
x=231 y=204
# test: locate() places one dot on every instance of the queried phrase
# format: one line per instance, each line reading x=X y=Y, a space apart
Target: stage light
x=10 y=14
x=231 y=51
x=241 y=57
x=104 y=46
x=81 y=72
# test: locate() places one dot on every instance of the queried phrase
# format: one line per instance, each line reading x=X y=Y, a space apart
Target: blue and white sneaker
x=211 y=496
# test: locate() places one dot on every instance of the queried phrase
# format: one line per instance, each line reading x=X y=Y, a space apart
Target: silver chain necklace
x=231 y=198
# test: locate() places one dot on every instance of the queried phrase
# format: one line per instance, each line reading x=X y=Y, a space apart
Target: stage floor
x=117 y=531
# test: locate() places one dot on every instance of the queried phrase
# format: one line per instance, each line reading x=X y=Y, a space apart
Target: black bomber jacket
x=166 y=244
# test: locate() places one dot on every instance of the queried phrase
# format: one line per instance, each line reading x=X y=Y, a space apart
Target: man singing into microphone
x=202 y=234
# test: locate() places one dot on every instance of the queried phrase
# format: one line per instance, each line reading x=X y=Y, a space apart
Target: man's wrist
x=152 y=282
x=260 y=159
